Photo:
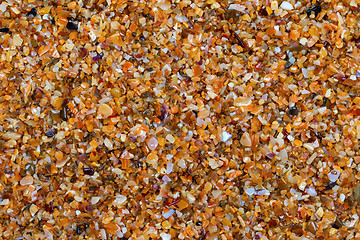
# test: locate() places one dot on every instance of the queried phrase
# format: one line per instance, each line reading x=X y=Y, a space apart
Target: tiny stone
x=116 y=92
x=203 y=113
x=274 y=5
x=293 y=111
x=78 y=230
x=30 y=168
x=342 y=197
x=303 y=41
x=286 y=6
x=105 y=110
x=64 y=112
x=243 y=101
x=49 y=207
x=309 y=146
x=337 y=224
x=225 y=136
x=250 y=191
x=71 y=26
x=213 y=163
x=27 y=180
x=32 y=13
x=153 y=143
x=237 y=7
x=165 y=6
x=316 y=10
x=288 y=64
x=232 y=14
x=33 y=209
x=351 y=201
x=302 y=186
x=245 y=139
x=165 y=236
x=89 y=171
x=83 y=53
x=4 y=30
x=356 y=193
x=4 y=202
x=330 y=186
x=311 y=191
x=50 y=133
x=108 y=143
x=120 y=200
x=272 y=222
x=334 y=175
x=170 y=138
x=95 y=200
x=97 y=57
x=312 y=227
x=277 y=50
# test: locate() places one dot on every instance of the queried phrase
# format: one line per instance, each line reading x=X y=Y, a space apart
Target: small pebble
x=288 y=64
x=293 y=111
x=311 y=191
x=4 y=30
x=330 y=186
x=50 y=133
x=71 y=26
x=33 y=209
x=89 y=171
x=30 y=168
x=337 y=224
x=232 y=14
x=105 y=110
x=312 y=227
x=153 y=143
x=97 y=57
x=250 y=191
x=334 y=175
x=78 y=230
x=49 y=207
x=165 y=236
x=356 y=193
x=32 y=13
x=272 y=222
x=316 y=10
x=170 y=138
x=116 y=92
x=27 y=180
x=286 y=6
x=225 y=136
x=243 y=101
x=245 y=139
x=64 y=110
x=83 y=53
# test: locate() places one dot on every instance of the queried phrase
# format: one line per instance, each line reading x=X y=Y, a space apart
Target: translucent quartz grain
x=105 y=110
x=27 y=180
x=245 y=139
x=152 y=143
x=334 y=175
